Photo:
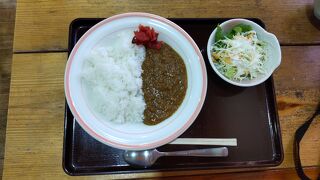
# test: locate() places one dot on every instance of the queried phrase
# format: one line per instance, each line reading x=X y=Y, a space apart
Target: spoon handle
x=211 y=152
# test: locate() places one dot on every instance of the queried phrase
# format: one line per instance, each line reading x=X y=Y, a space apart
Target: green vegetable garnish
x=231 y=72
x=244 y=27
x=240 y=28
x=219 y=34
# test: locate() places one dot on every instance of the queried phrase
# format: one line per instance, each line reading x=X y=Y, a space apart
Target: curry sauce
x=164 y=83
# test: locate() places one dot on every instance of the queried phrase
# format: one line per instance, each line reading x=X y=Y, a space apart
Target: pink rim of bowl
x=115 y=144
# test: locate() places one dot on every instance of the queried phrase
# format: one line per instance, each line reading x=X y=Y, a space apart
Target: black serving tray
x=248 y=114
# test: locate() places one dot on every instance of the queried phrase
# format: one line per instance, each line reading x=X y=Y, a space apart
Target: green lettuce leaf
x=231 y=72
x=219 y=34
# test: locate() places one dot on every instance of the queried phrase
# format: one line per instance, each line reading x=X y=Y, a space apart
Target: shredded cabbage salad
x=239 y=54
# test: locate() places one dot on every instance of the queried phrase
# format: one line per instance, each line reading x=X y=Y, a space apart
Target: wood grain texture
x=281 y=174
x=5 y=71
x=43 y=25
x=7 y=14
x=299 y=69
x=35 y=116
x=36 y=109
x=297 y=84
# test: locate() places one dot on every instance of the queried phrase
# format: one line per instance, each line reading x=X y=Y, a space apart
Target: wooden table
x=34 y=134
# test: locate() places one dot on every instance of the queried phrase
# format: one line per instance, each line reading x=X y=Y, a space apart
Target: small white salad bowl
x=272 y=48
x=136 y=136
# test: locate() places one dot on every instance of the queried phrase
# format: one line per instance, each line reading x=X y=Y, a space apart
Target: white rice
x=112 y=79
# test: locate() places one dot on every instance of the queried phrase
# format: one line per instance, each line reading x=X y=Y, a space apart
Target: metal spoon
x=149 y=157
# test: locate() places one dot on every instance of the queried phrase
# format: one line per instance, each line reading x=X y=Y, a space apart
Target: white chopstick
x=206 y=141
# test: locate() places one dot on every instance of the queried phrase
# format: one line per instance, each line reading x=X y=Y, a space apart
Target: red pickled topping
x=147 y=36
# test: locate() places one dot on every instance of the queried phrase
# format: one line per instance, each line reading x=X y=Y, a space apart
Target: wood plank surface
x=5 y=71
x=7 y=14
x=36 y=108
x=279 y=174
x=43 y=25
x=35 y=116
x=297 y=84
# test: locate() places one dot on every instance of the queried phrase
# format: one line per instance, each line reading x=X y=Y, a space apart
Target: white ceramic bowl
x=137 y=136
x=273 y=51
